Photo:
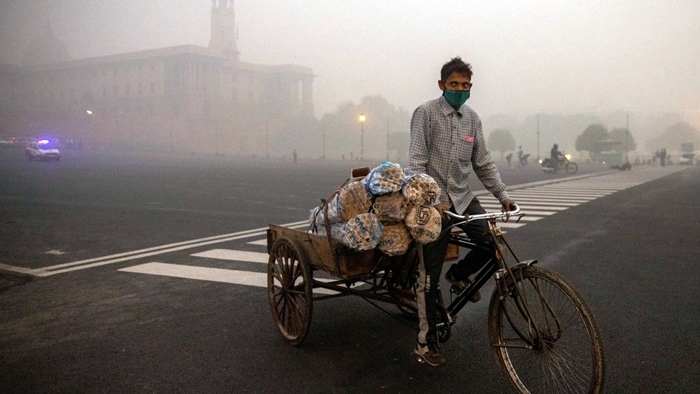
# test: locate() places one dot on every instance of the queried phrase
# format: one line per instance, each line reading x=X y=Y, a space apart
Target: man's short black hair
x=455 y=65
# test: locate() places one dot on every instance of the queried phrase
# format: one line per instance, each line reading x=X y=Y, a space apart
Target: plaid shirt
x=447 y=144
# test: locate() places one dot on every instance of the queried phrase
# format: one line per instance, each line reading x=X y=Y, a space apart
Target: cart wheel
x=289 y=290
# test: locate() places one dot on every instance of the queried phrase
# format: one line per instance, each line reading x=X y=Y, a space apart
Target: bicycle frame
x=496 y=267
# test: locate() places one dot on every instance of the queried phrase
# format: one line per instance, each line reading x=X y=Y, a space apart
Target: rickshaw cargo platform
x=329 y=255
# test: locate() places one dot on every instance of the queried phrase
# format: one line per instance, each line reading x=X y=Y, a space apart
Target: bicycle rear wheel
x=560 y=349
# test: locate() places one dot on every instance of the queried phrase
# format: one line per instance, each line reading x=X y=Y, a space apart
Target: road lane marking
x=222 y=275
x=246 y=278
x=235 y=255
x=137 y=254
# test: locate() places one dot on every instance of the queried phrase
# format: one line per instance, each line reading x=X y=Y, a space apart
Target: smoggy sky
x=528 y=56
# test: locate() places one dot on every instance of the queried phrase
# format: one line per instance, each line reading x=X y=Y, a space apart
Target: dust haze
x=617 y=61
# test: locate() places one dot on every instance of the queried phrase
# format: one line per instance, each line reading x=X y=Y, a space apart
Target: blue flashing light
x=43 y=142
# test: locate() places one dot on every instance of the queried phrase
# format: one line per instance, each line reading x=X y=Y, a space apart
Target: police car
x=43 y=149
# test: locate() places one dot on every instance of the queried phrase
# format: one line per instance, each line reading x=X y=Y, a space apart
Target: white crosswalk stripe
x=538 y=201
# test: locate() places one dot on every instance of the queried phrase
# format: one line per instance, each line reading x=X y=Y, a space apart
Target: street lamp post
x=323 y=131
x=627 y=138
x=92 y=127
x=387 y=139
x=362 y=135
x=267 y=139
x=538 y=138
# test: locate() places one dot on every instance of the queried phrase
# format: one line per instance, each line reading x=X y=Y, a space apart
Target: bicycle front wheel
x=544 y=336
x=571 y=167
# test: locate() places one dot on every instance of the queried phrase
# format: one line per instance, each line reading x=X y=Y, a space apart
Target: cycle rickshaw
x=542 y=333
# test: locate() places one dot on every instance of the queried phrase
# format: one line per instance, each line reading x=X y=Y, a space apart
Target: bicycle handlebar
x=488 y=215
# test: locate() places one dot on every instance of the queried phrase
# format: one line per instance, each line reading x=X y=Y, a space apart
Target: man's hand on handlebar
x=441 y=208
x=507 y=205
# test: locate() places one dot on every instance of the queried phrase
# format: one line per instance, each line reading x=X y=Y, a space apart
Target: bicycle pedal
x=456 y=290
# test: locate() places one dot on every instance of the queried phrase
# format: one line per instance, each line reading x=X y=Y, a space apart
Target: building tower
x=223 y=29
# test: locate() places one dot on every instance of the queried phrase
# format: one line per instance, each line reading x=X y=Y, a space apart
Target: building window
x=140 y=89
x=127 y=90
x=104 y=91
x=116 y=91
x=153 y=88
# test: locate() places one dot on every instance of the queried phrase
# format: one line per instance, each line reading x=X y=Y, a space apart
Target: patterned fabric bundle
x=421 y=189
x=424 y=223
x=387 y=178
x=363 y=232
x=353 y=200
x=395 y=239
x=391 y=207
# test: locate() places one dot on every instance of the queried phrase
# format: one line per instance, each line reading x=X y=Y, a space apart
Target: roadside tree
x=625 y=138
x=590 y=136
x=500 y=140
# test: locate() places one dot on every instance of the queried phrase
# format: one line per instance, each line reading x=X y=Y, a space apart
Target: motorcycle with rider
x=558 y=160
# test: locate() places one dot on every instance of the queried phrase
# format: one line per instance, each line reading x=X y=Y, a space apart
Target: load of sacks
x=386 y=209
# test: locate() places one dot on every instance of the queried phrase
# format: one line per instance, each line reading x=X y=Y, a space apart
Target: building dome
x=45 y=48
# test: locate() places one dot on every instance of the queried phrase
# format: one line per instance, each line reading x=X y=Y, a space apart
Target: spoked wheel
x=560 y=350
x=289 y=290
x=571 y=167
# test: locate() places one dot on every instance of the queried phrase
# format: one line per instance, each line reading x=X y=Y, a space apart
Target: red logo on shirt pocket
x=469 y=138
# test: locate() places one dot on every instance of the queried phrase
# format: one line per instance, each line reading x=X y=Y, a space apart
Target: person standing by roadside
x=520 y=156
x=448 y=143
x=662 y=157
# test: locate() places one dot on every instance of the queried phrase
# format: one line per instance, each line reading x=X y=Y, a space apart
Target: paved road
x=146 y=274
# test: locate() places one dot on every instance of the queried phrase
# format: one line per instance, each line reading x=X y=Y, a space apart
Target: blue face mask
x=456 y=98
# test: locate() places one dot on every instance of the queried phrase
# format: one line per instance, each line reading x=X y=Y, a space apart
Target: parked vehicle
x=43 y=149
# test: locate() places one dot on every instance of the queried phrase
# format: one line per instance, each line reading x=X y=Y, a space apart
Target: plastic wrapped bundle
x=391 y=207
x=424 y=223
x=333 y=210
x=387 y=178
x=317 y=223
x=363 y=232
x=421 y=189
x=395 y=239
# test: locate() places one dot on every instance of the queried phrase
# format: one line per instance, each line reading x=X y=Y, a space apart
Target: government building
x=182 y=99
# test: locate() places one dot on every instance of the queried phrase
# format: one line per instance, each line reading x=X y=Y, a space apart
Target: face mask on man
x=456 y=98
